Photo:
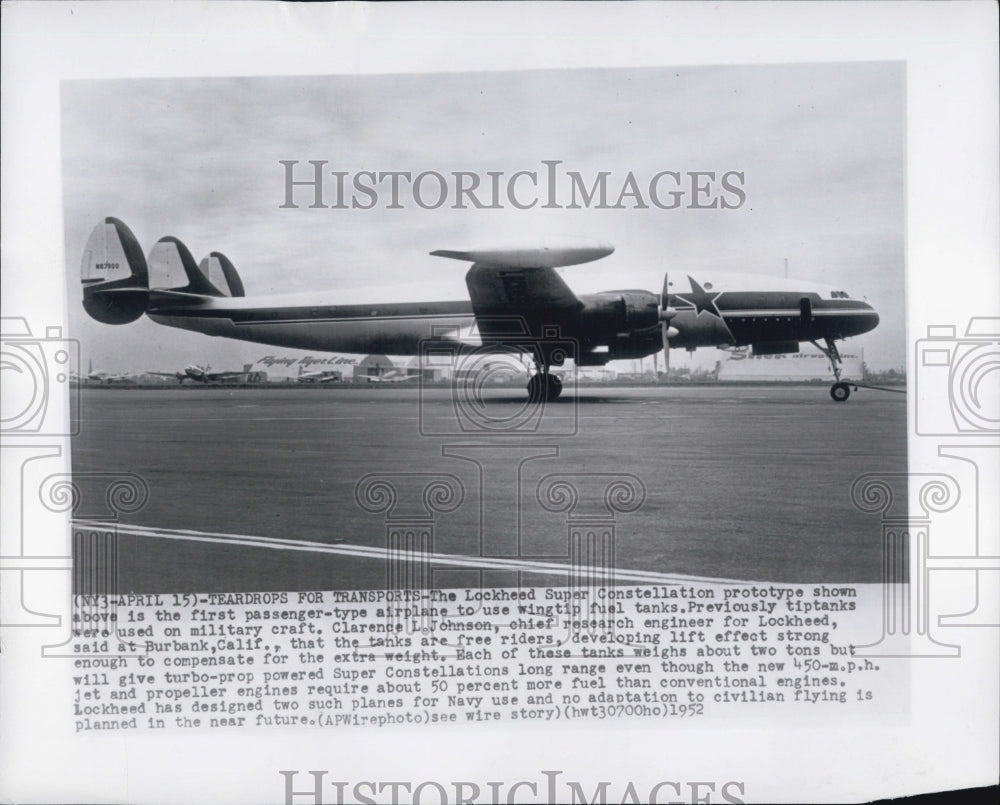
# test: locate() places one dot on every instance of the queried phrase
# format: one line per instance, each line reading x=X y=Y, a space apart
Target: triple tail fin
x=117 y=278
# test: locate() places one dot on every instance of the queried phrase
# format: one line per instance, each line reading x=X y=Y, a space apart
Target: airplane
x=198 y=374
x=517 y=301
x=322 y=376
x=100 y=376
x=394 y=376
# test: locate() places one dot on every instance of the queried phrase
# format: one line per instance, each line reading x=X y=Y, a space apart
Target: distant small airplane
x=517 y=302
x=393 y=376
x=322 y=376
x=198 y=374
x=100 y=376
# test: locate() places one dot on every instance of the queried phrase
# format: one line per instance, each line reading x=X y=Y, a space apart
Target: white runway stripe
x=363 y=551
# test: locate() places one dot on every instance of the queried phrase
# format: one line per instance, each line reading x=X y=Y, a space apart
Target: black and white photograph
x=691 y=277
x=499 y=402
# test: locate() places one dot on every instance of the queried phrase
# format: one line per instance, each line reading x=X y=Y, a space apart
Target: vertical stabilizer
x=172 y=268
x=222 y=274
x=114 y=274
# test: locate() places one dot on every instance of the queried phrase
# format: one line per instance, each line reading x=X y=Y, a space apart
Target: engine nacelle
x=619 y=313
x=642 y=310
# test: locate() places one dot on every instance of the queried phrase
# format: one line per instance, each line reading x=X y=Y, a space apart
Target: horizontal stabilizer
x=551 y=253
x=114 y=274
x=172 y=268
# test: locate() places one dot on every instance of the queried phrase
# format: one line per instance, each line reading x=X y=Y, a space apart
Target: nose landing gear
x=839 y=391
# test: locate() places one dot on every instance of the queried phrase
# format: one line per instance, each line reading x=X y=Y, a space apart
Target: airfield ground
x=742 y=483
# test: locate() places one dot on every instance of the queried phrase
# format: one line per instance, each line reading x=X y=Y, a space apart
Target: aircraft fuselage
x=729 y=318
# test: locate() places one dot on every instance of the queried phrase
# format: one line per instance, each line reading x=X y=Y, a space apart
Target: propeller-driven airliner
x=517 y=301
x=100 y=376
x=321 y=376
x=199 y=374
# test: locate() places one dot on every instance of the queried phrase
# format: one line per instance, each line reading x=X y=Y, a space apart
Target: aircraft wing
x=501 y=290
x=516 y=291
x=395 y=377
x=223 y=375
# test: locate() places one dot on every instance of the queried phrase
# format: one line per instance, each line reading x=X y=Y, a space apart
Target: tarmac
x=361 y=487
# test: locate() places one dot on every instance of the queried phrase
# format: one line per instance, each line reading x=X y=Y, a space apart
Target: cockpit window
x=839 y=295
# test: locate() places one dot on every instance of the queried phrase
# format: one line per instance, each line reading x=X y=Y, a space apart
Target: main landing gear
x=839 y=391
x=544 y=387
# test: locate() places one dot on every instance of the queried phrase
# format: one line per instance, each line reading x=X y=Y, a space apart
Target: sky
x=821 y=148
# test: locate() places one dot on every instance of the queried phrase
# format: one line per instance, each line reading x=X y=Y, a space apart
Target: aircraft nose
x=871 y=318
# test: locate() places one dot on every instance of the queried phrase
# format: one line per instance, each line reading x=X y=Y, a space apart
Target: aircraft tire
x=535 y=389
x=554 y=388
x=840 y=392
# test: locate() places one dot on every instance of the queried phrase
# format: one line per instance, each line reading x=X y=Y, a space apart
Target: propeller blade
x=666 y=350
x=664 y=323
x=666 y=312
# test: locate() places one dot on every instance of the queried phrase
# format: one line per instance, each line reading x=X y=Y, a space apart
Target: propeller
x=666 y=314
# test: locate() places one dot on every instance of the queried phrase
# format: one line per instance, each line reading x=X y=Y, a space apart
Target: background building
x=809 y=364
x=288 y=367
x=373 y=366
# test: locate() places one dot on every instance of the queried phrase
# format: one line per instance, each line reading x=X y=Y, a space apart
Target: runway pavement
x=731 y=482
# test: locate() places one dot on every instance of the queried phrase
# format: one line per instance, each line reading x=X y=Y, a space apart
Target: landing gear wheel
x=553 y=387
x=535 y=389
x=543 y=387
x=840 y=391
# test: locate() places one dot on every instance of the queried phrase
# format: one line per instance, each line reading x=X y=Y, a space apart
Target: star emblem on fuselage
x=701 y=300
